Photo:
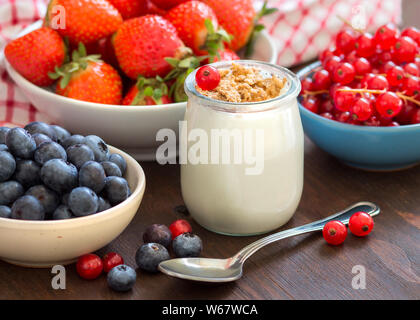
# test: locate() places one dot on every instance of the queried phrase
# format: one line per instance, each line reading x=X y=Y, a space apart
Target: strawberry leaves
x=154 y=88
x=215 y=40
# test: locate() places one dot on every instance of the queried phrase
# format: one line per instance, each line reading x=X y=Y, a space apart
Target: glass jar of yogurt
x=242 y=163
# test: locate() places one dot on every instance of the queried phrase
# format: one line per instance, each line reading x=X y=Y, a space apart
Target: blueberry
x=41 y=127
x=61 y=213
x=149 y=255
x=28 y=208
x=40 y=138
x=98 y=146
x=158 y=233
x=71 y=141
x=103 y=204
x=7 y=165
x=59 y=175
x=27 y=173
x=187 y=245
x=48 y=198
x=116 y=189
x=111 y=169
x=5 y=212
x=83 y=202
x=10 y=191
x=65 y=199
x=121 y=278
x=20 y=143
x=3 y=147
x=3 y=133
x=48 y=151
x=61 y=133
x=119 y=161
x=92 y=175
x=79 y=154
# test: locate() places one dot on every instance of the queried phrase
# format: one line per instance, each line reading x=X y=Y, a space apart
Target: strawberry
x=142 y=44
x=196 y=24
x=226 y=55
x=36 y=54
x=167 y=4
x=131 y=8
x=149 y=91
x=84 y=20
x=89 y=79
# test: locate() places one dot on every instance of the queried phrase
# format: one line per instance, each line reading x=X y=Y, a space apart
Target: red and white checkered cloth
x=301 y=28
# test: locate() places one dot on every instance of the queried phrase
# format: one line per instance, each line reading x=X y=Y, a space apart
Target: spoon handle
x=343 y=216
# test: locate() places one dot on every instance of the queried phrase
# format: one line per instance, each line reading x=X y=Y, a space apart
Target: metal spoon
x=225 y=270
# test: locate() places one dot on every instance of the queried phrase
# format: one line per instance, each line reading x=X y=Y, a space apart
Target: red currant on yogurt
x=388 y=104
x=111 y=260
x=89 y=266
x=334 y=232
x=361 y=224
x=207 y=78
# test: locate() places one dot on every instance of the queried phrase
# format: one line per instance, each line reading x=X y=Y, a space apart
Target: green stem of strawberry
x=215 y=40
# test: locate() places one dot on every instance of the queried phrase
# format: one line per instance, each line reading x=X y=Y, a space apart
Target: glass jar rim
x=293 y=88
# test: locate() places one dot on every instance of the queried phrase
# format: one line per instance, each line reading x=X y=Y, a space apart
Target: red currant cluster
x=366 y=79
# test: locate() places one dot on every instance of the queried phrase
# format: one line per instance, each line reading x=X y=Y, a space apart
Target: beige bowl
x=46 y=243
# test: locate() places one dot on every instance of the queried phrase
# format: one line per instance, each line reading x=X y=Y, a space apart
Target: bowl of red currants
x=361 y=101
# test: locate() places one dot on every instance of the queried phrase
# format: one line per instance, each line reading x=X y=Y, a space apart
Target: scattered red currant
x=207 y=78
x=360 y=224
x=334 y=232
x=111 y=260
x=89 y=266
x=179 y=227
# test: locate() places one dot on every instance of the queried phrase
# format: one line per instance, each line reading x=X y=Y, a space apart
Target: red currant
x=345 y=40
x=343 y=116
x=325 y=54
x=334 y=232
x=207 y=78
x=388 y=104
x=361 y=224
x=326 y=106
x=361 y=110
x=327 y=115
x=387 y=66
x=395 y=76
x=351 y=57
x=344 y=73
x=312 y=104
x=412 y=69
x=386 y=36
x=111 y=260
x=416 y=117
x=89 y=266
x=306 y=84
x=377 y=82
x=405 y=50
x=361 y=66
x=365 y=45
x=179 y=227
x=373 y=122
x=343 y=100
x=394 y=124
x=331 y=63
x=406 y=114
x=366 y=79
x=411 y=86
x=413 y=33
x=321 y=80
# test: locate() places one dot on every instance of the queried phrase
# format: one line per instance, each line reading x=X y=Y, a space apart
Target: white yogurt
x=239 y=198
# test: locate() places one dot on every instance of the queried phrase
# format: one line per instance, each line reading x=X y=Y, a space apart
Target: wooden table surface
x=303 y=267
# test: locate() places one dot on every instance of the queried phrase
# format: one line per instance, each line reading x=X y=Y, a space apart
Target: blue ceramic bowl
x=369 y=148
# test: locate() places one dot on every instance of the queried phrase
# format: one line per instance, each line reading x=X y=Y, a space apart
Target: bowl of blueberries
x=62 y=195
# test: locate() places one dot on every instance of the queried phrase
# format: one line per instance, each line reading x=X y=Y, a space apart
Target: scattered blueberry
x=3 y=147
x=59 y=175
x=79 y=154
x=40 y=138
x=71 y=141
x=61 y=213
x=48 y=198
x=27 y=173
x=61 y=133
x=103 y=204
x=10 y=191
x=187 y=245
x=5 y=212
x=121 y=278
x=3 y=133
x=116 y=189
x=83 y=202
x=48 y=151
x=149 y=255
x=111 y=169
x=41 y=127
x=7 y=165
x=20 y=143
x=119 y=161
x=98 y=146
x=28 y=208
x=92 y=175
x=158 y=233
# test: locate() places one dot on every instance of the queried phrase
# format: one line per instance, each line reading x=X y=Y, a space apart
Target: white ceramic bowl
x=131 y=128
x=46 y=243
